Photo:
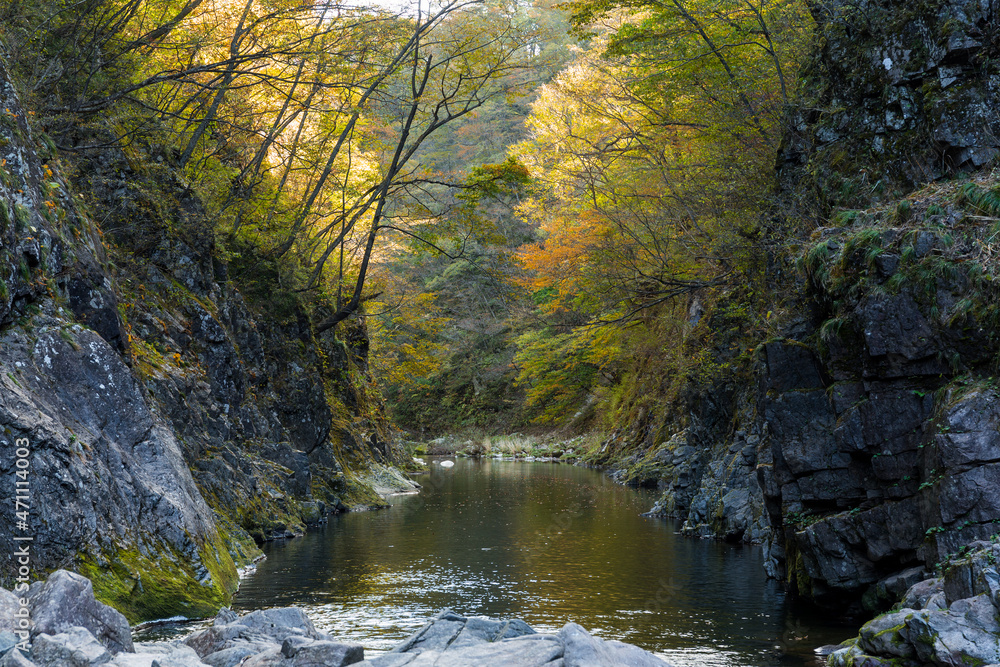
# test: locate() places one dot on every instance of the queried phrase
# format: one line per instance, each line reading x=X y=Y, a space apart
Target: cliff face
x=881 y=439
x=897 y=94
x=880 y=449
x=170 y=419
x=864 y=445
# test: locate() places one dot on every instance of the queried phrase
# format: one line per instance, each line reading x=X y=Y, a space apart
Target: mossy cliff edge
x=849 y=420
x=178 y=409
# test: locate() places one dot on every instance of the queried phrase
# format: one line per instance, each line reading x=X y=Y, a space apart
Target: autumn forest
x=529 y=205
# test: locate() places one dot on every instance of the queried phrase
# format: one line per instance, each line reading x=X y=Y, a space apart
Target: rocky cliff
x=171 y=420
x=896 y=95
x=861 y=443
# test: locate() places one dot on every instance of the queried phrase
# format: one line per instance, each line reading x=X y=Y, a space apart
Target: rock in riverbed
x=950 y=621
x=79 y=631
x=450 y=640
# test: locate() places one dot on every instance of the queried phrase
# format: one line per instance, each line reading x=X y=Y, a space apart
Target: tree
x=474 y=57
x=461 y=272
x=303 y=123
x=653 y=152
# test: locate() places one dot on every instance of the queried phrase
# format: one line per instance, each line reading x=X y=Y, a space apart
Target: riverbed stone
x=290 y=647
x=929 y=630
x=215 y=638
x=478 y=641
x=225 y=617
x=9 y=605
x=967 y=633
x=280 y=623
x=882 y=636
x=15 y=659
x=232 y=656
x=65 y=600
x=584 y=650
x=8 y=640
x=76 y=647
x=437 y=634
x=233 y=639
x=526 y=651
x=852 y=656
x=172 y=656
x=182 y=656
x=309 y=653
x=134 y=660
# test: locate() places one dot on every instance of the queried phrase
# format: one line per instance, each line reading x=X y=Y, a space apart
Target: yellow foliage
x=558 y=370
x=405 y=339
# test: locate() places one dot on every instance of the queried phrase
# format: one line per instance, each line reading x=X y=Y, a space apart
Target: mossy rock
x=145 y=589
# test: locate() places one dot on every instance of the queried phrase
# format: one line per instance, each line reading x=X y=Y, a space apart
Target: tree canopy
x=513 y=194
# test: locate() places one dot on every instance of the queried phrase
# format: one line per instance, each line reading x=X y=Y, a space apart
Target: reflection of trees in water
x=545 y=542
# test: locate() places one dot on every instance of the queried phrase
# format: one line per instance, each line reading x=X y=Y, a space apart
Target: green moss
x=894 y=631
x=144 y=589
x=220 y=565
x=148 y=360
x=256 y=516
x=799 y=577
x=360 y=494
x=23 y=217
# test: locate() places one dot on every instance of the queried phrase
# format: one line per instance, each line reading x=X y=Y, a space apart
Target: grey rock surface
x=182 y=656
x=15 y=659
x=66 y=599
x=581 y=649
x=175 y=656
x=309 y=653
x=234 y=655
x=280 y=623
x=266 y=637
x=451 y=640
x=526 y=651
x=9 y=606
x=74 y=647
x=8 y=640
x=912 y=90
x=927 y=630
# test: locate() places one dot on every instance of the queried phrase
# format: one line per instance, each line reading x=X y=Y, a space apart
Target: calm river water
x=547 y=543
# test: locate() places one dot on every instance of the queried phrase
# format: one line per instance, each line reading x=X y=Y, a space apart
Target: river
x=547 y=543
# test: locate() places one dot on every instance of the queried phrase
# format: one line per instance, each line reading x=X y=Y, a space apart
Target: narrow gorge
x=244 y=282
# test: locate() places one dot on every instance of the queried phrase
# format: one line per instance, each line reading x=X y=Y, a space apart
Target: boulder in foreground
x=450 y=640
x=72 y=629
x=950 y=621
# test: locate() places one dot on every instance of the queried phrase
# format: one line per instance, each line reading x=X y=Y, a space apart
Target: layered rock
x=949 y=620
x=871 y=436
x=861 y=445
x=879 y=416
x=897 y=94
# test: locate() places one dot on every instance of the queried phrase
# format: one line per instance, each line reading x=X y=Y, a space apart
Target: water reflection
x=544 y=542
